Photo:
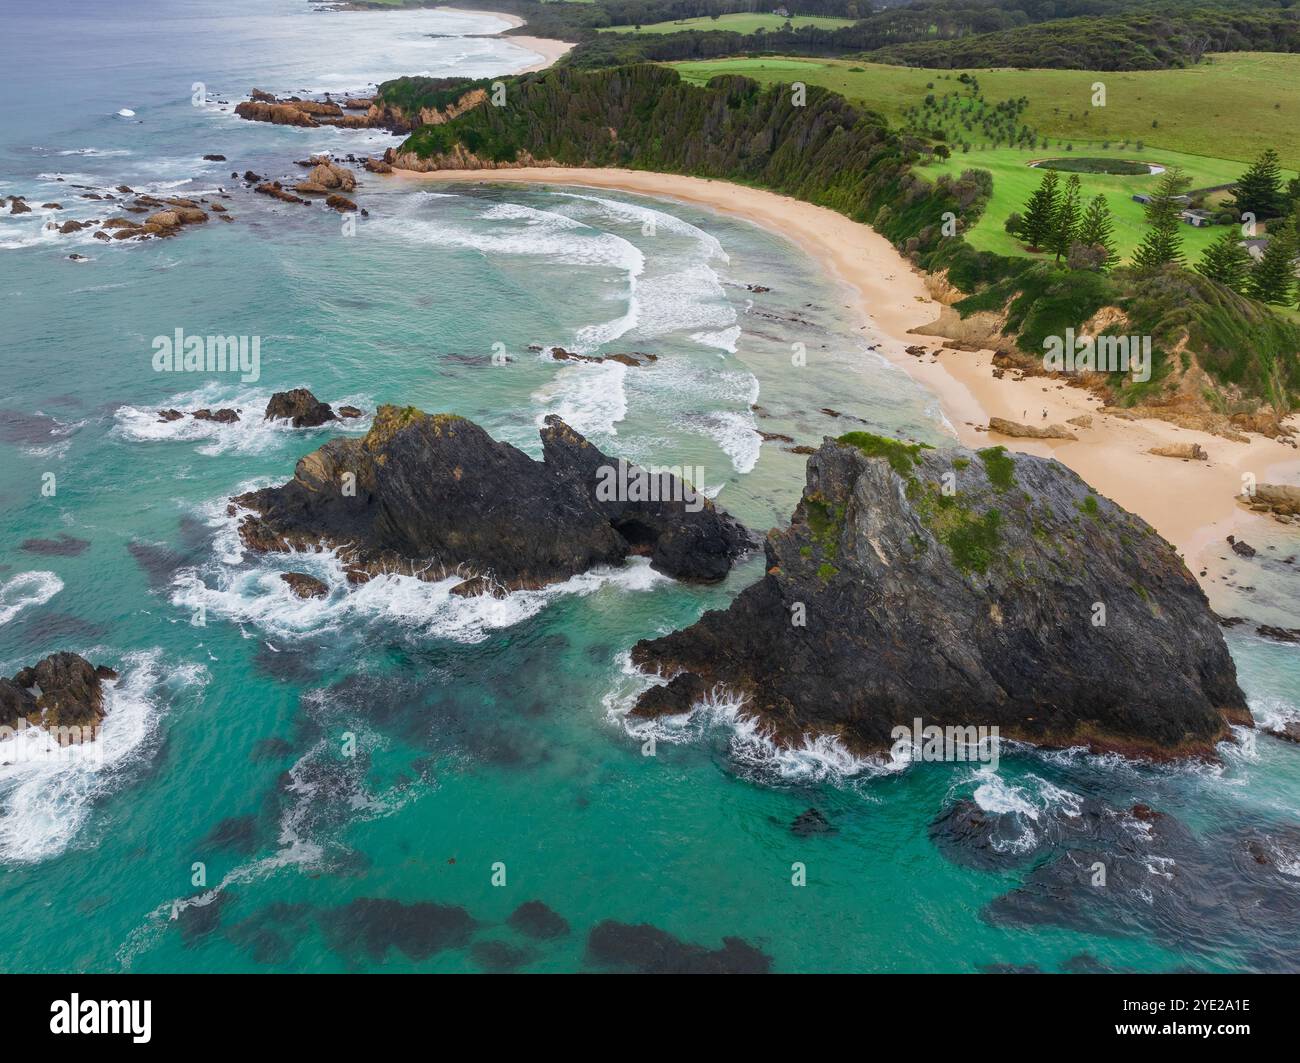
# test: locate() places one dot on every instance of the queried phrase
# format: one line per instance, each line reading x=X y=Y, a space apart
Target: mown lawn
x=739 y=23
x=1230 y=106
x=1014 y=180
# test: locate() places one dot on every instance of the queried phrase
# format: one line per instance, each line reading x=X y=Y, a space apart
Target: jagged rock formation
x=434 y=495
x=62 y=690
x=888 y=599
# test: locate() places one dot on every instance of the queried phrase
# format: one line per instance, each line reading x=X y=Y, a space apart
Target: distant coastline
x=548 y=49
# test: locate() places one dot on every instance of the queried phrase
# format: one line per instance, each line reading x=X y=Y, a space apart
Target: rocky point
x=964 y=588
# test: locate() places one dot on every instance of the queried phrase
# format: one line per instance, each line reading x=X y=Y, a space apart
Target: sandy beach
x=1190 y=503
x=550 y=50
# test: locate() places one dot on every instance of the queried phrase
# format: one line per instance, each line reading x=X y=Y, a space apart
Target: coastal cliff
x=435 y=495
x=965 y=588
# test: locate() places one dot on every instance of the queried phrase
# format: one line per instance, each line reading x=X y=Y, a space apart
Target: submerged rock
x=966 y=589
x=1224 y=893
x=538 y=920
x=366 y=928
x=809 y=822
x=646 y=949
x=62 y=690
x=305 y=586
x=225 y=415
x=432 y=495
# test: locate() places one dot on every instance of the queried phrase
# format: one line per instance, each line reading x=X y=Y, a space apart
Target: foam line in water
x=658 y=219
x=27 y=589
x=519 y=230
x=591 y=397
x=250 y=591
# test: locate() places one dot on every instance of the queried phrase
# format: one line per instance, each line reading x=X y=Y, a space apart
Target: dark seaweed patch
x=236 y=833
x=63 y=545
x=538 y=920
x=368 y=927
x=500 y=956
x=646 y=949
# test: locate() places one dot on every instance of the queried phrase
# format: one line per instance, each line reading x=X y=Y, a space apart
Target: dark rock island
x=966 y=588
x=435 y=495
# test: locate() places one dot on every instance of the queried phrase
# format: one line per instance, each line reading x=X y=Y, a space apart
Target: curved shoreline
x=548 y=49
x=1192 y=504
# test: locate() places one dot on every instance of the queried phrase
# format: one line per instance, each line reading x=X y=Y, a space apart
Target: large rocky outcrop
x=63 y=690
x=433 y=495
x=888 y=599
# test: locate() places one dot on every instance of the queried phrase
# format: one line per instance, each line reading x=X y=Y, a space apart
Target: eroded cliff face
x=459 y=158
x=435 y=495
x=963 y=588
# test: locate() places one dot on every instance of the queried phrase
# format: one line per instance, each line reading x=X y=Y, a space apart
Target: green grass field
x=1014 y=180
x=736 y=24
x=1229 y=107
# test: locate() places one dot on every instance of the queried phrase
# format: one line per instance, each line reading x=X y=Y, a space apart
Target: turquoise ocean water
x=486 y=732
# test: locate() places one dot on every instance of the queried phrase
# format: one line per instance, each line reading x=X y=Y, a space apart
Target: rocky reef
x=435 y=495
x=965 y=588
x=62 y=690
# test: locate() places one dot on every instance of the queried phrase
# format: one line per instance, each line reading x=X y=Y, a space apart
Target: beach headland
x=1191 y=503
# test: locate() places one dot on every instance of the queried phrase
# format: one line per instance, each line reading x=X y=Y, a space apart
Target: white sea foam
x=591 y=397
x=527 y=231
x=736 y=432
x=818 y=758
x=26 y=589
x=682 y=297
x=675 y=295
x=1273 y=713
x=998 y=797
x=254 y=594
x=1024 y=803
x=97 y=153
x=654 y=220
x=727 y=339
x=47 y=791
